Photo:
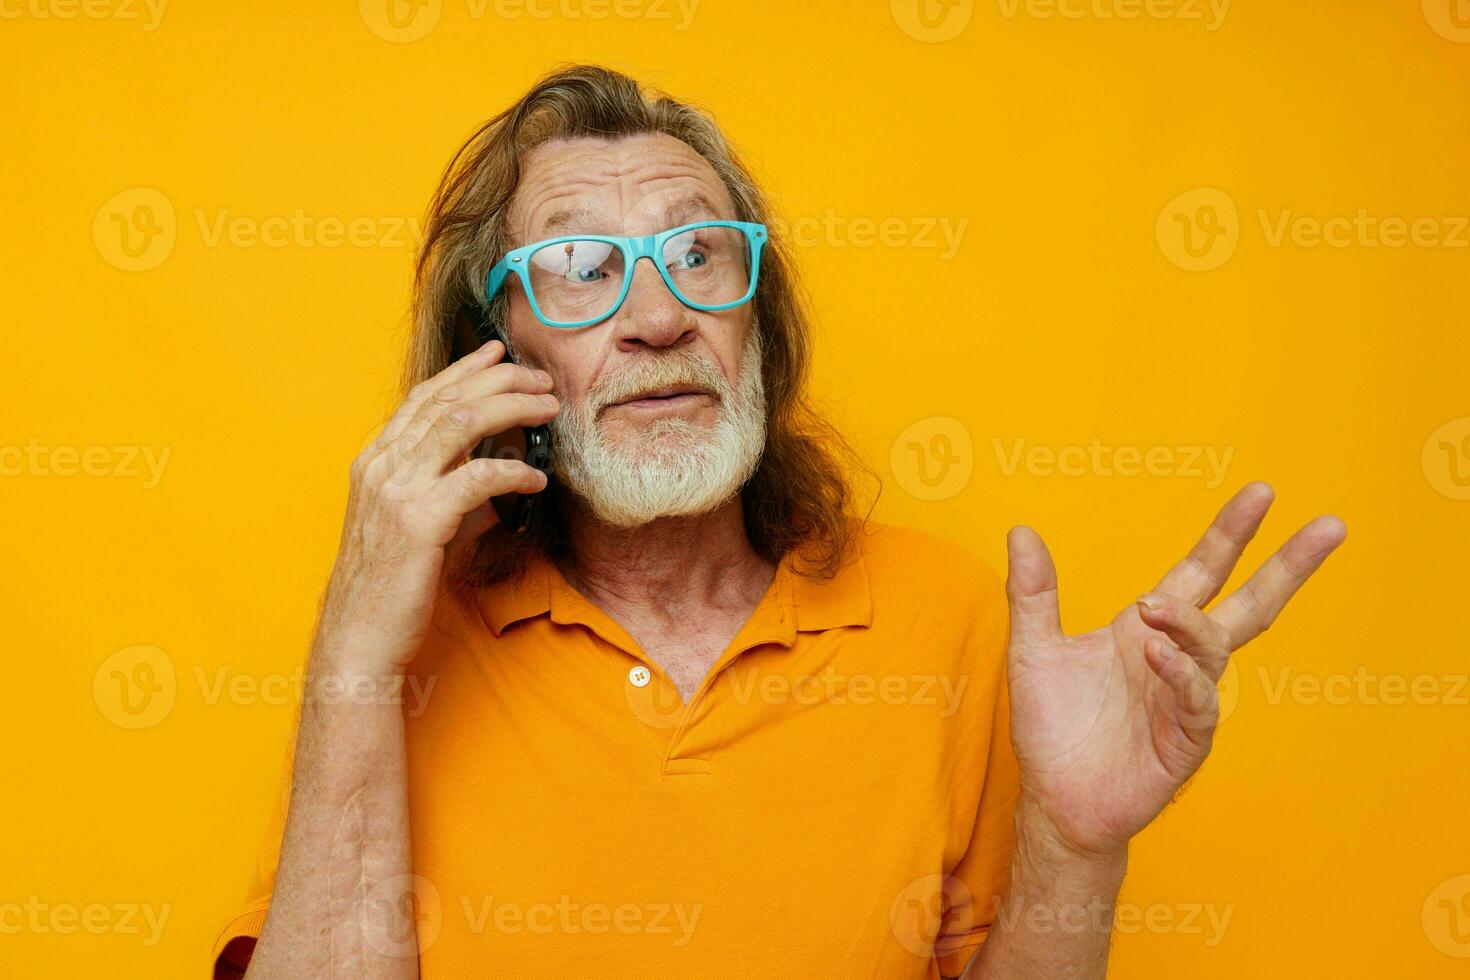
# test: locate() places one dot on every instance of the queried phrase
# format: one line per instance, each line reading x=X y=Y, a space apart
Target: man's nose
x=651 y=316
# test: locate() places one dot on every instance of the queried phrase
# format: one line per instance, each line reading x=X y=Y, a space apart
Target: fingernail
x=1151 y=602
x=1167 y=651
x=545 y=378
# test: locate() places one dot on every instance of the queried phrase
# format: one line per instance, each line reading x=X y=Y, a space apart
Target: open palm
x=1108 y=725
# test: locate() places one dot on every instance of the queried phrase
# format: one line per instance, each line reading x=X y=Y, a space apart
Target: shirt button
x=639 y=676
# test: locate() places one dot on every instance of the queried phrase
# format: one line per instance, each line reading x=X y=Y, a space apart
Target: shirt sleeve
x=976 y=884
x=236 y=943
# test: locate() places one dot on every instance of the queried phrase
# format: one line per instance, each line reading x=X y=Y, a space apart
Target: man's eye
x=690 y=260
x=587 y=273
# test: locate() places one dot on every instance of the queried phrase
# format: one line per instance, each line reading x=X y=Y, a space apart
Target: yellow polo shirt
x=835 y=801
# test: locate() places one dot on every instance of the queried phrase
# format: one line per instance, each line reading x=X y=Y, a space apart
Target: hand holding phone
x=414 y=499
x=531 y=444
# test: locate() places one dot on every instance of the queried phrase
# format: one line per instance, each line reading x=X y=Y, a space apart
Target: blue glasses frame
x=633 y=248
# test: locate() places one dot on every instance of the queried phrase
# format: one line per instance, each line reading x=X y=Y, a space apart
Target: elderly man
x=691 y=714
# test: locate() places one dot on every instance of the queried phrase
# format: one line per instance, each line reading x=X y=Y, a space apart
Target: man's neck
x=686 y=563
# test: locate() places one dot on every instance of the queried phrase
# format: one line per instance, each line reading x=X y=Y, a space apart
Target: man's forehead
x=597 y=185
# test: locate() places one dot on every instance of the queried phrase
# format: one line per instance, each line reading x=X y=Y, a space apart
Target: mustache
x=681 y=368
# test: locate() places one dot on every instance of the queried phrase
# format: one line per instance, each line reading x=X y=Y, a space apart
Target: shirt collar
x=794 y=603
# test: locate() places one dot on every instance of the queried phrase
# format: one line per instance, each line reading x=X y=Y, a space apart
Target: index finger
x=482 y=357
x=1207 y=567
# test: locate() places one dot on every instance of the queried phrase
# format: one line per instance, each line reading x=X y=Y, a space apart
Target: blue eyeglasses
x=580 y=280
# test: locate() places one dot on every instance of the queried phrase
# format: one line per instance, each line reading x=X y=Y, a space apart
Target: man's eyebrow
x=696 y=208
x=561 y=219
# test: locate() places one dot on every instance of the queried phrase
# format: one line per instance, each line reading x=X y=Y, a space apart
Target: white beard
x=675 y=469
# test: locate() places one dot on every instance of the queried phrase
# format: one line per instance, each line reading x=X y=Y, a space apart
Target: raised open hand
x=1108 y=725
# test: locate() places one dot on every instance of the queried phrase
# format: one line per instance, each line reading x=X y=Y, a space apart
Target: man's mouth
x=666 y=397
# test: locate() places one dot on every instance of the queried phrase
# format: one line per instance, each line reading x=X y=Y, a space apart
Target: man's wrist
x=1049 y=867
x=1059 y=894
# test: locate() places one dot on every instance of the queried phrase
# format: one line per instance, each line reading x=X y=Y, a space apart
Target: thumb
x=1031 y=587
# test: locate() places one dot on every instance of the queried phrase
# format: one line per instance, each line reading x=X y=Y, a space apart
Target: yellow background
x=1330 y=833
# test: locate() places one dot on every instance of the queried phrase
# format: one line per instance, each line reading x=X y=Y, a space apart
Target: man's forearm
x=342 y=905
x=1056 y=918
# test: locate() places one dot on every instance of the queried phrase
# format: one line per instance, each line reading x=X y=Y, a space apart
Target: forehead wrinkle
x=565 y=176
x=609 y=168
x=695 y=197
x=546 y=192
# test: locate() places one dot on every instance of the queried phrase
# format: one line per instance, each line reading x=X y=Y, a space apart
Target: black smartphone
x=530 y=443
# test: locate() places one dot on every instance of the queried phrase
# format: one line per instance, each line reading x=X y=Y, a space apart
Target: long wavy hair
x=801 y=497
